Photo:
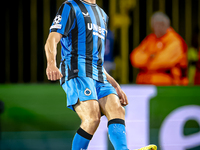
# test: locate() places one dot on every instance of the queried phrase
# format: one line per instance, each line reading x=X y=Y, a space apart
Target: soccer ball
x=57 y=19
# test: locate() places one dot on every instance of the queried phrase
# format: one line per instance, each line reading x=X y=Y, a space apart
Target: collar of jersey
x=88 y=3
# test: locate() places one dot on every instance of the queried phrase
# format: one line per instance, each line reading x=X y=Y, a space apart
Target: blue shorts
x=85 y=88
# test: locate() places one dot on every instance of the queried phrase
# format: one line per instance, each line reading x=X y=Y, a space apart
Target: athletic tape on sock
x=116 y=121
x=84 y=134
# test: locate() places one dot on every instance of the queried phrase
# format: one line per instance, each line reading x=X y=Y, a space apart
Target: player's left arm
x=120 y=92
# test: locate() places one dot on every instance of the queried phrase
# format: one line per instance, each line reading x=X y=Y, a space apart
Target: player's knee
x=95 y=121
x=119 y=110
x=92 y=121
x=116 y=112
x=122 y=110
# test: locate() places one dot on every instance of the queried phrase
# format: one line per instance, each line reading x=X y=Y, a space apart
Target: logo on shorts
x=87 y=92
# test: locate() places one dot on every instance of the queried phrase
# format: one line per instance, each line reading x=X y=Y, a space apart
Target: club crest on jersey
x=87 y=92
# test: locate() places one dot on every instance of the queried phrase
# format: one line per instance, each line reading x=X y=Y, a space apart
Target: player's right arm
x=53 y=73
x=61 y=26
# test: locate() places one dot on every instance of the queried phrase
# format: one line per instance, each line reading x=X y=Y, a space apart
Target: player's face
x=159 y=28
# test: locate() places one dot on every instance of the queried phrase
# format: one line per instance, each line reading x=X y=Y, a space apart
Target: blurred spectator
x=193 y=67
x=162 y=55
x=108 y=56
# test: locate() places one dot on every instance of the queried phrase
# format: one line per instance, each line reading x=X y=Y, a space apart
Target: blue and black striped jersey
x=84 y=29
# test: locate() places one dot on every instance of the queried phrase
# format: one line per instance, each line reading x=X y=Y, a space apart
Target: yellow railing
x=121 y=20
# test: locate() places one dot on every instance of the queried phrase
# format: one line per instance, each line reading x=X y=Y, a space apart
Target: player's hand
x=122 y=96
x=53 y=73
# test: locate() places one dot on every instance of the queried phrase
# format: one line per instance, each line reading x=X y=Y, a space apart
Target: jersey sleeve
x=64 y=20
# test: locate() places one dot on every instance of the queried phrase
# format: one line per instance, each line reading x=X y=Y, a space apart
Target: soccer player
x=81 y=27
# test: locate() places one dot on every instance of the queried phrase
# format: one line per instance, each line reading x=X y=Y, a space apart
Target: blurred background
x=32 y=109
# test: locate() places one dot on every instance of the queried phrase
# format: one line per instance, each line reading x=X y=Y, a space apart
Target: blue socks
x=117 y=134
x=81 y=140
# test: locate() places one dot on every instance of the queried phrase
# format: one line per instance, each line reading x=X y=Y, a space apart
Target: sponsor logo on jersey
x=98 y=31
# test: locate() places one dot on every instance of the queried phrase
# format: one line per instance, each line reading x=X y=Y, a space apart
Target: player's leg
x=111 y=107
x=82 y=98
x=89 y=113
